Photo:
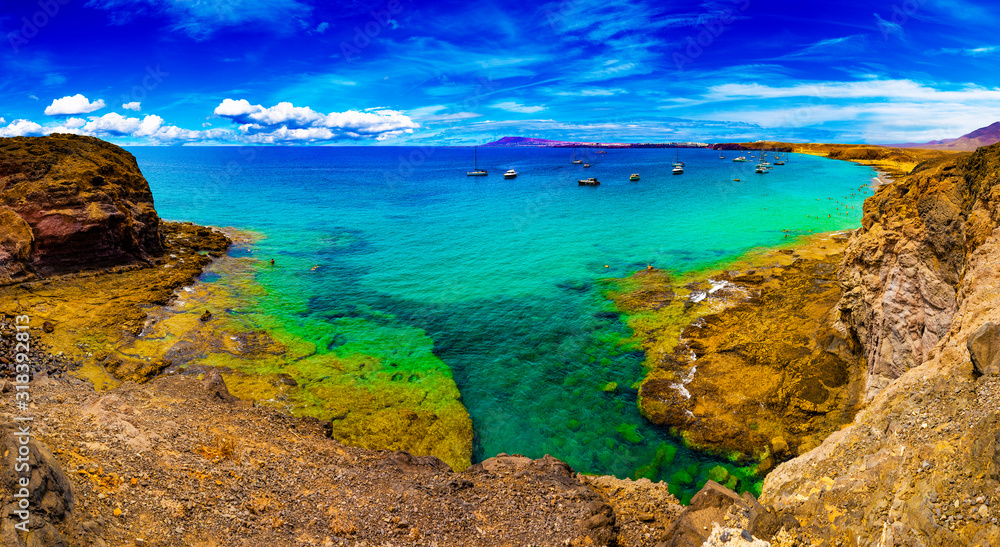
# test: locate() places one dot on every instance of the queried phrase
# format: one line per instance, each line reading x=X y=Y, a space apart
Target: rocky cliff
x=69 y=203
x=904 y=268
x=920 y=465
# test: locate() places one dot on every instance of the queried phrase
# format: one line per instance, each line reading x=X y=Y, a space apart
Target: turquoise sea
x=502 y=277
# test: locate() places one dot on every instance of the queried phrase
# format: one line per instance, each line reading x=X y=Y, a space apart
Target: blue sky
x=401 y=72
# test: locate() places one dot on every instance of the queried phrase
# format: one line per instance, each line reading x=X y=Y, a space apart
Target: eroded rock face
x=903 y=267
x=920 y=465
x=69 y=203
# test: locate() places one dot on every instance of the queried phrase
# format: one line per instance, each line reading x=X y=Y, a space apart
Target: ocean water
x=383 y=246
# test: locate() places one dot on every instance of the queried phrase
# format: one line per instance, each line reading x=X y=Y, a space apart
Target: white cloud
x=134 y=105
x=21 y=128
x=322 y=27
x=868 y=89
x=76 y=104
x=286 y=122
x=75 y=122
x=511 y=106
x=880 y=111
x=590 y=92
x=434 y=114
x=968 y=52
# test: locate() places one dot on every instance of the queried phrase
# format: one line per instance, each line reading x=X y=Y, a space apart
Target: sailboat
x=476 y=172
x=762 y=165
x=678 y=165
x=576 y=161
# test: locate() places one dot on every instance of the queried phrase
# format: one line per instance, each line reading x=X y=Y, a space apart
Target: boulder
x=984 y=349
x=709 y=506
x=215 y=385
x=49 y=495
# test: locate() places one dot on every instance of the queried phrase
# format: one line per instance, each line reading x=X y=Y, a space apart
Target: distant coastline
x=546 y=143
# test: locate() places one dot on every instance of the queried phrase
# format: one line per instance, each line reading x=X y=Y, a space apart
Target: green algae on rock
x=388 y=392
x=755 y=355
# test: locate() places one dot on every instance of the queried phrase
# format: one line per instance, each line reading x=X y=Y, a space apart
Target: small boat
x=577 y=162
x=601 y=152
x=589 y=182
x=762 y=169
x=779 y=162
x=510 y=174
x=721 y=157
x=633 y=176
x=736 y=180
x=586 y=165
x=678 y=170
x=476 y=172
x=741 y=159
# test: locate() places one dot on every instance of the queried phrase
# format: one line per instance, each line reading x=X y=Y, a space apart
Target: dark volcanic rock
x=49 y=495
x=70 y=203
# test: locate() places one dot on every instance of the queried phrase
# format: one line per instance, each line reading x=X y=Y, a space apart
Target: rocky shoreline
x=901 y=450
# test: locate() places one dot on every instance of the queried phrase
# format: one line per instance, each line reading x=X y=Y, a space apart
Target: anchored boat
x=476 y=172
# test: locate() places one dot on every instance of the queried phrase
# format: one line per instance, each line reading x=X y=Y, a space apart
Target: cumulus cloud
x=134 y=105
x=511 y=106
x=322 y=27
x=21 y=128
x=70 y=105
x=116 y=124
x=286 y=122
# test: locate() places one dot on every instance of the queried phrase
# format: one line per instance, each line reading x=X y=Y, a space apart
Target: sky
x=403 y=72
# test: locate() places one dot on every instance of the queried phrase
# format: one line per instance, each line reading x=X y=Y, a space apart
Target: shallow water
x=394 y=251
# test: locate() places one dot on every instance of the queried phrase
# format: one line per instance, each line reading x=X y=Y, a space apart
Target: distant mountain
x=528 y=141
x=983 y=136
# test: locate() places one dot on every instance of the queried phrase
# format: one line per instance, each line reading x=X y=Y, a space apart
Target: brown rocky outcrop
x=69 y=203
x=920 y=465
x=781 y=331
x=903 y=268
